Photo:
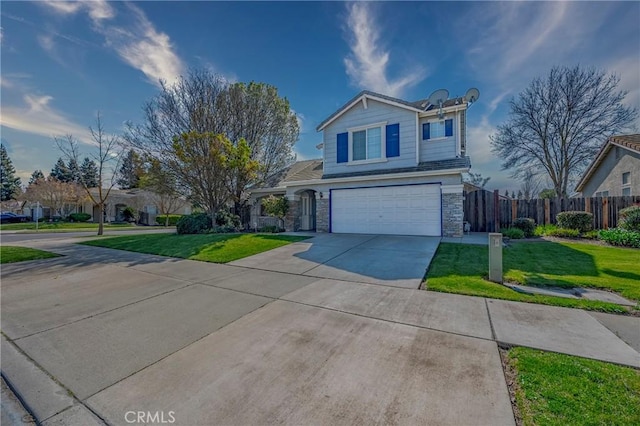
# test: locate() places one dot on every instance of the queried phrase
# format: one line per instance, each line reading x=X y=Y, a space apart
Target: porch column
x=322 y=211
x=452 y=210
x=292 y=219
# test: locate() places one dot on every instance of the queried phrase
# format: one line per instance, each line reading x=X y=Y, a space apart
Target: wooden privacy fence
x=486 y=211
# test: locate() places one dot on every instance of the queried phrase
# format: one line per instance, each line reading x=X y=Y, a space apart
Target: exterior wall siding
x=376 y=112
x=608 y=176
x=322 y=215
x=452 y=215
x=439 y=149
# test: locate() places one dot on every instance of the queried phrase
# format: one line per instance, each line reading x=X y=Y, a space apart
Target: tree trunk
x=101 y=220
x=166 y=221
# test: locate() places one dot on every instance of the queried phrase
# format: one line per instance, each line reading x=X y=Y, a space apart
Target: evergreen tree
x=520 y=195
x=131 y=171
x=89 y=172
x=36 y=176
x=506 y=192
x=61 y=172
x=74 y=171
x=10 y=183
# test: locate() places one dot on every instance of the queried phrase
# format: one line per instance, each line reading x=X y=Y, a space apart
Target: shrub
x=526 y=225
x=630 y=218
x=196 y=223
x=542 y=230
x=228 y=221
x=173 y=219
x=276 y=206
x=620 y=237
x=513 y=233
x=590 y=235
x=270 y=229
x=129 y=214
x=79 y=217
x=582 y=221
x=563 y=233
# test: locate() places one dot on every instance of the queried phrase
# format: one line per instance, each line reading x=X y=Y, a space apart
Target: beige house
x=145 y=202
x=615 y=171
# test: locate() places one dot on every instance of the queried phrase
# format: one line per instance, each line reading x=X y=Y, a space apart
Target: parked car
x=9 y=217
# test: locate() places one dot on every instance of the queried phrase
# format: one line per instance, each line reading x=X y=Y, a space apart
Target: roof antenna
x=437 y=98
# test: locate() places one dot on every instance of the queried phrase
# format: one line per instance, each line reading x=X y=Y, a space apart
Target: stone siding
x=292 y=219
x=322 y=215
x=452 y=215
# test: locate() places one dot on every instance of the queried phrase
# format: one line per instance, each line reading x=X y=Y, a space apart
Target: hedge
x=173 y=219
x=582 y=221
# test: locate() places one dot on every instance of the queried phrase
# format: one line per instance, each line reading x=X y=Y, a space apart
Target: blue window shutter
x=343 y=147
x=425 y=131
x=393 y=140
x=448 y=127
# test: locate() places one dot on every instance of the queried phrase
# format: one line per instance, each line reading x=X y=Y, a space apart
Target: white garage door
x=399 y=210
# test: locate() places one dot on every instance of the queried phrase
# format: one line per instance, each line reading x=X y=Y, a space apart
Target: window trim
x=443 y=121
x=383 y=143
x=626 y=185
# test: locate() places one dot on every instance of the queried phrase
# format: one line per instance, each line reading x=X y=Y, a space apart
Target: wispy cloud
x=130 y=35
x=96 y=9
x=37 y=116
x=367 y=63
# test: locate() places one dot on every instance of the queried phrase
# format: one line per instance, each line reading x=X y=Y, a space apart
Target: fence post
x=547 y=211
x=605 y=213
x=514 y=210
x=587 y=205
x=496 y=210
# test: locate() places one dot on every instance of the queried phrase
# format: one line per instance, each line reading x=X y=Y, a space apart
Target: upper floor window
x=437 y=129
x=602 y=194
x=375 y=142
x=366 y=144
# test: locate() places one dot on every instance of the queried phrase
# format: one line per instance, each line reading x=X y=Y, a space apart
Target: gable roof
x=416 y=106
x=300 y=170
x=629 y=142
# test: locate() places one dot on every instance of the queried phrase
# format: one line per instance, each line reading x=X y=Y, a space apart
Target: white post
x=495 y=257
x=37 y=209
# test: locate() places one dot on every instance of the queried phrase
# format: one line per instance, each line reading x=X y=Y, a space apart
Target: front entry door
x=306 y=212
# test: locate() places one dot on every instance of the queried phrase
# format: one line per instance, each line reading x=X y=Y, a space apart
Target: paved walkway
x=222 y=344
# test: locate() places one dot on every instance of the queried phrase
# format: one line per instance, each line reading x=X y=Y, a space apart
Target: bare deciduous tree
x=107 y=158
x=163 y=189
x=203 y=102
x=57 y=195
x=530 y=185
x=558 y=123
x=477 y=180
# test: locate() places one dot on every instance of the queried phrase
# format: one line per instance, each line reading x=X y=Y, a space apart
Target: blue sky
x=64 y=61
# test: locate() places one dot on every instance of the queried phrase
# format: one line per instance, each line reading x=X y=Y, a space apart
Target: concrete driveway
x=397 y=261
x=101 y=336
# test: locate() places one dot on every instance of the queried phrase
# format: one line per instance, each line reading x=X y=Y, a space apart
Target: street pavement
x=103 y=336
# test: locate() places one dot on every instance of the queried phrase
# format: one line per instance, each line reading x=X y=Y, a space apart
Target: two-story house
x=389 y=167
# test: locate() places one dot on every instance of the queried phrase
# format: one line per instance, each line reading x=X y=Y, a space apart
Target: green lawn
x=462 y=268
x=556 y=389
x=11 y=254
x=57 y=226
x=218 y=248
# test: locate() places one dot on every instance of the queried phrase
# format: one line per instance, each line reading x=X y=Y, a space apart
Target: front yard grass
x=12 y=254
x=462 y=268
x=60 y=226
x=217 y=248
x=557 y=389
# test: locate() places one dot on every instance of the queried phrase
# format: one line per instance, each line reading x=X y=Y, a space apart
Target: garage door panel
x=404 y=210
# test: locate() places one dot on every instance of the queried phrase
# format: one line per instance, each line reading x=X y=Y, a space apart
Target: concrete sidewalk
x=121 y=331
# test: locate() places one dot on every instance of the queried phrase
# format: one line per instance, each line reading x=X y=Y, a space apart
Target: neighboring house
x=139 y=199
x=615 y=171
x=389 y=167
